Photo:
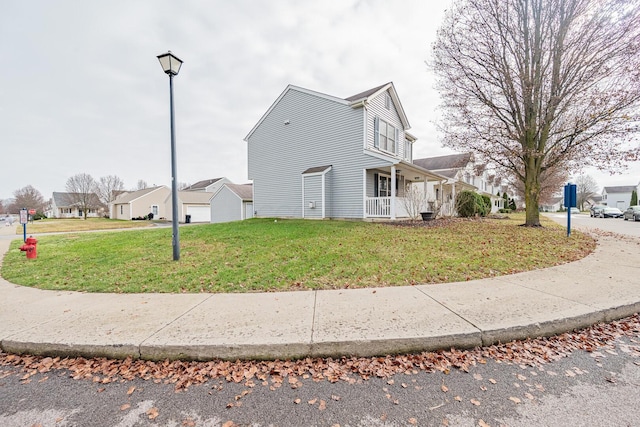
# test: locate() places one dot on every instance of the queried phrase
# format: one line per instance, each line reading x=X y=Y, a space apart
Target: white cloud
x=82 y=90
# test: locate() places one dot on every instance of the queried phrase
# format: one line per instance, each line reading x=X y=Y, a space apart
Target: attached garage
x=197 y=204
x=199 y=213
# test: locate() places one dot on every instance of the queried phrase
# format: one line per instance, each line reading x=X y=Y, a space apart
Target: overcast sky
x=81 y=89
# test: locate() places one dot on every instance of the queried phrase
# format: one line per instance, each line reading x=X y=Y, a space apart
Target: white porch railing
x=378 y=207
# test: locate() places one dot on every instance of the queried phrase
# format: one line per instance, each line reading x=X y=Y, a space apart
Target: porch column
x=364 y=193
x=393 y=192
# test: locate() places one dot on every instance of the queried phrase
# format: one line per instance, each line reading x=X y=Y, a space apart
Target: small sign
x=24 y=218
x=32 y=211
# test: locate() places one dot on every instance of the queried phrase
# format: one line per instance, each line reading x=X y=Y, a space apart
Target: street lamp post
x=171 y=65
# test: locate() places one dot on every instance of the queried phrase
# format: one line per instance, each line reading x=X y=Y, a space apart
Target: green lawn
x=263 y=254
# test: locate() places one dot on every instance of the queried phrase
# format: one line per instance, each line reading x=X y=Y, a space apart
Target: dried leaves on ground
x=274 y=374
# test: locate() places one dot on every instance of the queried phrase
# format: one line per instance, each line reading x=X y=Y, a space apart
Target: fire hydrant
x=30 y=247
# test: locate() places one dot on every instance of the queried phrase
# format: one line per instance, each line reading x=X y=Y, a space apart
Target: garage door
x=199 y=213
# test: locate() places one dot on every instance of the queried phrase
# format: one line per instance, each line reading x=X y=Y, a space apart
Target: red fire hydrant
x=30 y=247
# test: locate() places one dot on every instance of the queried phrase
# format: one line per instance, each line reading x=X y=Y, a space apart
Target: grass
x=262 y=254
x=62 y=225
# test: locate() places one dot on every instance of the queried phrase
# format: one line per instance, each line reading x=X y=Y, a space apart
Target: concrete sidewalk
x=363 y=322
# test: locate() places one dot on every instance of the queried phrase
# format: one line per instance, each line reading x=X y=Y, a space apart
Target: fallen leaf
x=297 y=401
x=477 y=377
x=515 y=400
x=125 y=407
x=492 y=381
x=152 y=413
x=322 y=406
x=458 y=399
x=312 y=401
x=229 y=424
x=475 y=402
x=131 y=390
x=334 y=397
x=481 y=423
x=413 y=421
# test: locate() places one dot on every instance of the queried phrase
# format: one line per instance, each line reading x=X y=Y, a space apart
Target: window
x=384 y=186
x=407 y=150
x=385 y=136
x=121 y=209
x=387 y=102
x=154 y=210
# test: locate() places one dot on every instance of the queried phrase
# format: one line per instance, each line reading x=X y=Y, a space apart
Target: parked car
x=595 y=210
x=609 y=212
x=574 y=211
x=632 y=212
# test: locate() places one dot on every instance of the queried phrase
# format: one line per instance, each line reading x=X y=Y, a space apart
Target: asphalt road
x=614 y=225
x=601 y=388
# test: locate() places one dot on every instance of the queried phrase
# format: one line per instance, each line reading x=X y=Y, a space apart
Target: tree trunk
x=532 y=195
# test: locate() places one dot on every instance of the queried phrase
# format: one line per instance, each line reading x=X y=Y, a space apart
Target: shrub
x=470 y=203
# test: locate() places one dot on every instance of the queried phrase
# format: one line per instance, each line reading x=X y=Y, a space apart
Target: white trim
x=303 y=175
x=393 y=192
x=364 y=193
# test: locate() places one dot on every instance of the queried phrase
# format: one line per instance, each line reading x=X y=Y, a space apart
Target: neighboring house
x=313 y=155
x=618 y=197
x=208 y=185
x=463 y=173
x=233 y=202
x=140 y=203
x=193 y=206
x=592 y=201
x=64 y=205
x=553 y=205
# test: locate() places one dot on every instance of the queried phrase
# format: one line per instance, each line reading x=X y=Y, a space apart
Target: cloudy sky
x=82 y=91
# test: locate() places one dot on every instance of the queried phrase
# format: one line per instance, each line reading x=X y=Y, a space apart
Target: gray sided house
x=208 y=185
x=233 y=202
x=313 y=155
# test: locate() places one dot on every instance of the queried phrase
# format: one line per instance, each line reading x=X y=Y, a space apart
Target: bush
x=469 y=203
x=504 y=211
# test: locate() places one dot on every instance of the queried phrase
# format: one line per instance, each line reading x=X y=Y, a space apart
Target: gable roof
x=244 y=191
x=61 y=199
x=201 y=185
x=620 y=189
x=452 y=161
x=365 y=97
x=193 y=196
x=355 y=101
x=133 y=195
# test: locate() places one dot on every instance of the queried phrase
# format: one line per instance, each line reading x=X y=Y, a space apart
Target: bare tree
x=414 y=201
x=586 y=187
x=142 y=184
x=107 y=188
x=551 y=183
x=531 y=85
x=27 y=197
x=81 y=192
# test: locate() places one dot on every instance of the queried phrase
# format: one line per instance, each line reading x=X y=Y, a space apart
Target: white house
x=618 y=196
x=463 y=173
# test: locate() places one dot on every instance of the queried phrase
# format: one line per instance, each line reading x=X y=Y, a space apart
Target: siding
x=313 y=194
x=389 y=115
x=320 y=132
x=226 y=206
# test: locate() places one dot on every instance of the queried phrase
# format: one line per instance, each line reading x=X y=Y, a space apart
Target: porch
x=400 y=191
